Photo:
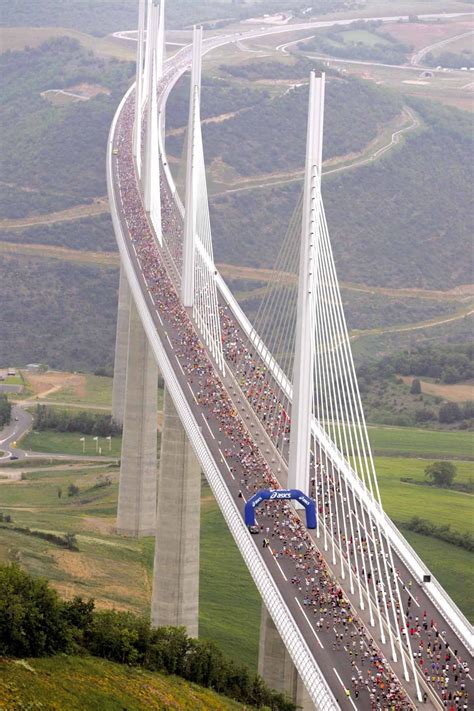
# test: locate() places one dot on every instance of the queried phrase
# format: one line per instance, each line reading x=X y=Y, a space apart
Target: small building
x=11 y=371
x=33 y=367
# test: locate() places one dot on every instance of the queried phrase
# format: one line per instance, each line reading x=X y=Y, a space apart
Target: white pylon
x=151 y=171
x=147 y=57
x=161 y=44
x=187 y=281
x=137 y=136
x=303 y=378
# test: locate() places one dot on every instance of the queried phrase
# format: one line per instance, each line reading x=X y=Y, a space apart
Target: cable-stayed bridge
x=351 y=617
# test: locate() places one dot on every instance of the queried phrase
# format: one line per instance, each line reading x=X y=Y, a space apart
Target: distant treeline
x=332 y=42
x=449 y=364
x=450 y=60
x=48 y=418
x=67 y=541
x=35 y=622
x=5 y=410
x=442 y=533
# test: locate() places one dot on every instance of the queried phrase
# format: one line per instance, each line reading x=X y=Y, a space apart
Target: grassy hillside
x=58 y=313
x=77 y=683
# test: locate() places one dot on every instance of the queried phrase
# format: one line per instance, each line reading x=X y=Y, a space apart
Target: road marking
x=191 y=390
x=180 y=366
x=344 y=687
x=281 y=569
x=171 y=345
x=208 y=427
x=159 y=317
x=225 y=462
x=309 y=623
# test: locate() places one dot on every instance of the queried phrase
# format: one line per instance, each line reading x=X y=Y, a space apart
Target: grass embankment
x=69 y=443
x=90 y=683
x=117 y=571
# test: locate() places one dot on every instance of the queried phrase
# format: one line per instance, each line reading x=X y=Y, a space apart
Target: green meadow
x=408 y=442
x=70 y=443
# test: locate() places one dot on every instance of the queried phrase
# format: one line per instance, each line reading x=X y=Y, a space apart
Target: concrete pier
x=121 y=349
x=175 y=598
x=276 y=667
x=136 y=514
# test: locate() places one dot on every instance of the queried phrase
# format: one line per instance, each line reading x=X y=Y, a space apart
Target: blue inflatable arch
x=279 y=495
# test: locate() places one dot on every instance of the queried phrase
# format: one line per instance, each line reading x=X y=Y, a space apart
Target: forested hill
x=401 y=221
x=411 y=211
x=48 y=147
x=100 y=17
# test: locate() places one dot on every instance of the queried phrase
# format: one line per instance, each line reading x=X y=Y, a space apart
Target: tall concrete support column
x=175 y=598
x=276 y=667
x=121 y=349
x=136 y=515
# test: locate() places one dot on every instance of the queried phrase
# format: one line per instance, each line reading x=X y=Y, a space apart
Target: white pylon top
x=189 y=246
x=303 y=379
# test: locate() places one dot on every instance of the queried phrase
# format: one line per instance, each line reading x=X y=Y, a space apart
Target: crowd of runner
x=284 y=534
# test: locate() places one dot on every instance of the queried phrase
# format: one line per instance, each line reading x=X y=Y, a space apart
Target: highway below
x=332 y=656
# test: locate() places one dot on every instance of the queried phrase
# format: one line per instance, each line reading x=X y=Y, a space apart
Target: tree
x=441 y=473
x=31 y=622
x=72 y=490
x=449 y=412
x=415 y=387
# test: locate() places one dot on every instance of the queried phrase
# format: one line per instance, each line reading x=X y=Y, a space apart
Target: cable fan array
x=341 y=472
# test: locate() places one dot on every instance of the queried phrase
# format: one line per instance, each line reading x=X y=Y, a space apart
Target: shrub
x=441 y=473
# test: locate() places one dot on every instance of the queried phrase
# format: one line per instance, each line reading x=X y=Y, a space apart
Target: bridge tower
x=153 y=71
x=301 y=411
x=190 y=215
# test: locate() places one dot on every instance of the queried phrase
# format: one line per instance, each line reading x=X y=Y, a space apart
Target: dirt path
x=417 y=58
x=462 y=313
x=405 y=122
x=465 y=292
x=102 y=259
x=98 y=207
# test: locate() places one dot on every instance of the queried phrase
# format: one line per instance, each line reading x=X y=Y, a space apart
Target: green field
x=362 y=37
x=77 y=683
x=227 y=592
x=402 y=500
x=69 y=443
x=405 y=441
x=117 y=571
x=452 y=566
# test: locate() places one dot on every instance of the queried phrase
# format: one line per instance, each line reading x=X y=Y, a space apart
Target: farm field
x=405 y=441
x=403 y=500
x=77 y=683
x=422 y=34
x=69 y=443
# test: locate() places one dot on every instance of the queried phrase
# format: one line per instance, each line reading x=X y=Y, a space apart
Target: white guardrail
x=442 y=601
x=300 y=653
